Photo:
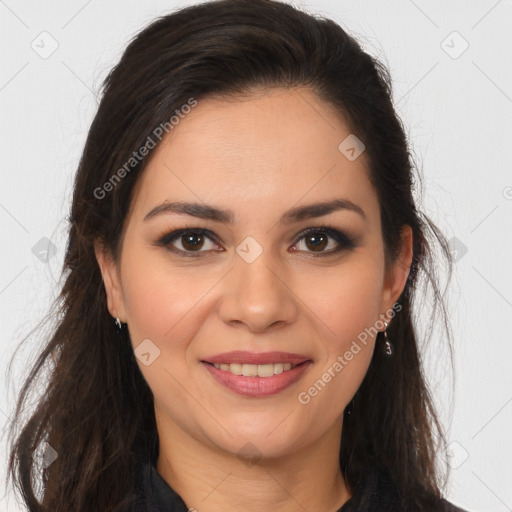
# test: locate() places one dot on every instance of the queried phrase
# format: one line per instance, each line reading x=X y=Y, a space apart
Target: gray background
x=456 y=103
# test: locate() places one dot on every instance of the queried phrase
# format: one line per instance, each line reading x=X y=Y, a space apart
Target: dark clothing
x=375 y=494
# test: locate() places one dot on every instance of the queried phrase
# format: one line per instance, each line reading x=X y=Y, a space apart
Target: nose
x=258 y=295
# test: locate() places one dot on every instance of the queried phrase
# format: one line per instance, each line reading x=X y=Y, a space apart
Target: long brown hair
x=97 y=409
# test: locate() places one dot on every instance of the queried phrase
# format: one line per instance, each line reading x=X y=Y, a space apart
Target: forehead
x=267 y=150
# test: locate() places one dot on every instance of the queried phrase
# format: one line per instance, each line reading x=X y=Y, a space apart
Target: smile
x=255 y=370
x=256 y=380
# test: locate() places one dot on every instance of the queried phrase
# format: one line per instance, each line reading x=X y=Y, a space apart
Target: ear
x=398 y=271
x=111 y=281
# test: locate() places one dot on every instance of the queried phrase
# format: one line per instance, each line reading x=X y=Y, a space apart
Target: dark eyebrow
x=199 y=210
x=320 y=209
x=296 y=214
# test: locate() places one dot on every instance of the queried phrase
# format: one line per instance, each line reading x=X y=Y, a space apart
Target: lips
x=255 y=374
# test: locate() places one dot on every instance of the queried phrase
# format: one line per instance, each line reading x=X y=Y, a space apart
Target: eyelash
x=344 y=241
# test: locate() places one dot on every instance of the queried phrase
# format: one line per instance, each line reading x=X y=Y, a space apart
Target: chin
x=268 y=443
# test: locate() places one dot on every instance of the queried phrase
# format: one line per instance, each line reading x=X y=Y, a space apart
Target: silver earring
x=388 y=348
x=121 y=329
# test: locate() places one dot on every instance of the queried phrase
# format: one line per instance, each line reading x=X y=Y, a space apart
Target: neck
x=209 y=479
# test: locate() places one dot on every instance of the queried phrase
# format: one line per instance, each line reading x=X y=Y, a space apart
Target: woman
x=236 y=320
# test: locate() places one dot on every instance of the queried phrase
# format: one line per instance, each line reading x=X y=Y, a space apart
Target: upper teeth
x=255 y=370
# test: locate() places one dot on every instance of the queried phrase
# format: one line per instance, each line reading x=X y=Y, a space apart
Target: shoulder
x=450 y=507
x=377 y=493
x=152 y=493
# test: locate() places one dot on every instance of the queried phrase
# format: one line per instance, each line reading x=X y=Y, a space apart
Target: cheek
x=159 y=311
x=165 y=304
x=345 y=305
x=345 y=301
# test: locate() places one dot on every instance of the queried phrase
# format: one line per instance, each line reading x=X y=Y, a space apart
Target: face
x=254 y=278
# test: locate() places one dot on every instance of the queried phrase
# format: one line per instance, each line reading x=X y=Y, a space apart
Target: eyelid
x=167 y=239
x=341 y=237
x=344 y=240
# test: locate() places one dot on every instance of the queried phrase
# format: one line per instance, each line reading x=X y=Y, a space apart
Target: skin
x=258 y=156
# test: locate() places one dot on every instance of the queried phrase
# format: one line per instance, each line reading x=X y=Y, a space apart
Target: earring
x=120 y=328
x=388 y=348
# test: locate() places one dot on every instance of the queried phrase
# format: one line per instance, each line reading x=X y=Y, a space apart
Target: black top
x=375 y=494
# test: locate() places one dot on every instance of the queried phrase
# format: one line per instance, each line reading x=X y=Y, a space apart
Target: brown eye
x=189 y=242
x=317 y=241
x=192 y=241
